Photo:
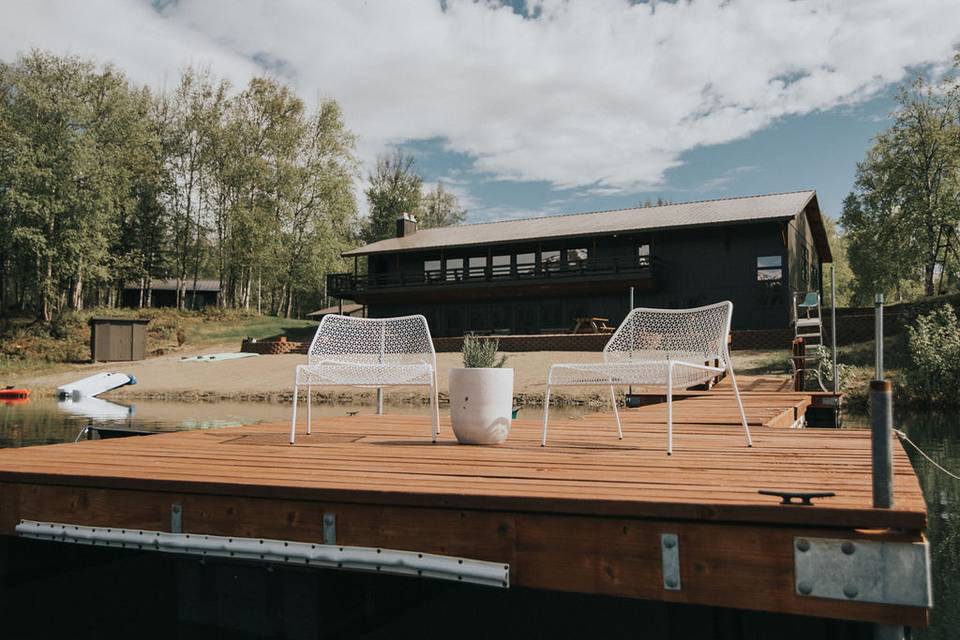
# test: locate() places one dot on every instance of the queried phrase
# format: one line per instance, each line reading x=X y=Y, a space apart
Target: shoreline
x=269 y=379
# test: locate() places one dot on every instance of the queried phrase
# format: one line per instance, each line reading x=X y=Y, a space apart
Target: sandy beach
x=270 y=378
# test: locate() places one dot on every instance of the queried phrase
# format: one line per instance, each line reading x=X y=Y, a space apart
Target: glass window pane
x=454 y=268
x=765 y=262
x=526 y=262
x=550 y=260
x=500 y=266
x=769 y=275
x=431 y=270
x=576 y=257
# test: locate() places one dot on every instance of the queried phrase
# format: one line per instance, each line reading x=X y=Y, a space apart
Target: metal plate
x=670 y=551
x=863 y=570
x=372 y=559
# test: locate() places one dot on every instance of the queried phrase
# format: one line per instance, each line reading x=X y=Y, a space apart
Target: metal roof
x=203 y=284
x=689 y=214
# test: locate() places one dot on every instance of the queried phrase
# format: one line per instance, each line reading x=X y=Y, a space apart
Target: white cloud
x=605 y=95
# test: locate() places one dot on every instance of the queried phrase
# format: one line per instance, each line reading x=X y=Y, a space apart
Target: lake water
x=44 y=422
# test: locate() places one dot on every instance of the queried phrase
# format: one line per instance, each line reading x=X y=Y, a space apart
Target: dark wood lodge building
x=538 y=275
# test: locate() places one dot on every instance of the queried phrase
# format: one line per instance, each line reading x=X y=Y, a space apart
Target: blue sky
x=539 y=107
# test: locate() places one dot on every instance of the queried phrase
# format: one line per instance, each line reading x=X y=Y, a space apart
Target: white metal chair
x=671 y=347
x=369 y=352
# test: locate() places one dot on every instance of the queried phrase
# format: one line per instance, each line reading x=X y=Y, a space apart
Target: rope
x=903 y=436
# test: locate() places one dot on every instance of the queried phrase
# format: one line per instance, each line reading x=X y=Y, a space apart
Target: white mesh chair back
x=402 y=340
x=697 y=335
x=669 y=347
x=369 y=352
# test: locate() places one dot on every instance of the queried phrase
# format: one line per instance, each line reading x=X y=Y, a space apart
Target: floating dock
x=588 y=514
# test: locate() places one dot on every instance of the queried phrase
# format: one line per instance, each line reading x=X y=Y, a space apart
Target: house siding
x=694 y=267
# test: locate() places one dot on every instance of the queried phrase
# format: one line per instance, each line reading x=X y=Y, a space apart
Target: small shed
x=118 y=339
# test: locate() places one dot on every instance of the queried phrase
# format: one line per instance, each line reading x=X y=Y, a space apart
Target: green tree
x=907 y=189
x=440 y=208
x=841 y=264
x=395 y=189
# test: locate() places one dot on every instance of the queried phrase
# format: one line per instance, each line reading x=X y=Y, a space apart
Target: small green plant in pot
x=481 y=393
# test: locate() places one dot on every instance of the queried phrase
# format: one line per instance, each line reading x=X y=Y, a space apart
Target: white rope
x=903 y=436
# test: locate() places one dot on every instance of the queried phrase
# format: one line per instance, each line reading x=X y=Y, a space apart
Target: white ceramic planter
x=481 y=404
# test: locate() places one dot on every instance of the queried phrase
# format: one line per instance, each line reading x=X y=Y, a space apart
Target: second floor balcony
x=498 y=281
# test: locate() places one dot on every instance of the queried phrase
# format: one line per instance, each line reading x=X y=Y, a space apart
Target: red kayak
x=10 y=393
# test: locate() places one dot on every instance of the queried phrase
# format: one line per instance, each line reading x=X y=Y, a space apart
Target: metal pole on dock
x=833 y=327
x=881 y=448
x=878 y=332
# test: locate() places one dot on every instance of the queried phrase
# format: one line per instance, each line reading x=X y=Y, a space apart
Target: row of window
x=513 y=263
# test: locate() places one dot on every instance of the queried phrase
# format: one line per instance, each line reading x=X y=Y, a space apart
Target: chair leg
x=293 y=419
x=616 y=413
x=743 y=416
x=546 y=414
x=670 y=409
x=435 y=407
x=309 y=396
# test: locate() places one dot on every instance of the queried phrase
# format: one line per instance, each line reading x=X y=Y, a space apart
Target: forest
x=106 y=185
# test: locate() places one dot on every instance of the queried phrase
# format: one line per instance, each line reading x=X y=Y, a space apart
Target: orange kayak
x=12 y=392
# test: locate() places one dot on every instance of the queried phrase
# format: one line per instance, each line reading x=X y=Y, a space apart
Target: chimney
x=406 y=225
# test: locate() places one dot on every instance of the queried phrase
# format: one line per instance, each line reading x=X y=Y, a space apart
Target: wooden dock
x=587 y=514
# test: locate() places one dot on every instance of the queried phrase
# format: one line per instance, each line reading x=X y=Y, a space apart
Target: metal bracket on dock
x=324 y=556
x=329 y=528
x=176 y=518
x=863 y=571
x=670 y=552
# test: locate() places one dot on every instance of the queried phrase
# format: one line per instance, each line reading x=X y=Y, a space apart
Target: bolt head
x=669 y=542
x=671 y=582
x=850 y=591
x=805 y=587
x=803 y=544
x=848 y=547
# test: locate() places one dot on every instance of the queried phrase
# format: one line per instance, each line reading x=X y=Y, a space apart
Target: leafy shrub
x=825 y=368
x=481 y=352
x=934 y=347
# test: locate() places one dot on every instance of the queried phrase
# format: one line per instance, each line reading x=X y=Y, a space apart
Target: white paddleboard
x=95 y=385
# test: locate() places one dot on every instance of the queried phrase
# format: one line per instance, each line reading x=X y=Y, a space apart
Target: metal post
x=881 y=425
x=878 y=332
x=379 y=401
x=631 y=298
x=833 y=327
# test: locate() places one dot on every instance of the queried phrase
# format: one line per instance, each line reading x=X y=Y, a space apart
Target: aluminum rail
x=324 y=556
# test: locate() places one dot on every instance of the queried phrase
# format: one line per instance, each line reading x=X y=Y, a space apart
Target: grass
x=28 y=347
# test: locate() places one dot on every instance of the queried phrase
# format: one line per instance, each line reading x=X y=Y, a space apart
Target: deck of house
x=585 y=514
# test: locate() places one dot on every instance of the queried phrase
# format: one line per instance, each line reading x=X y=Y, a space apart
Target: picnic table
x=593 y=325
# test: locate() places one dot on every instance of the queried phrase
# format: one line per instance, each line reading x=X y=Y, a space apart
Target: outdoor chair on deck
x=369 y=352
x=676 y=348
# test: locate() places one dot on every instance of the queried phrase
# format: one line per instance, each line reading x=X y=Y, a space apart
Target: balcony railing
x=348 y=284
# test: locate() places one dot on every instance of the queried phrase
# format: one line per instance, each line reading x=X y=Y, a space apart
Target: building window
x=500 y=266
x=454 y=268
x=549 y=261
x=643 y=254
x=769 y=281
x=431 y=271
x=577 y=258
x=478 y=267
x=526 y=263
